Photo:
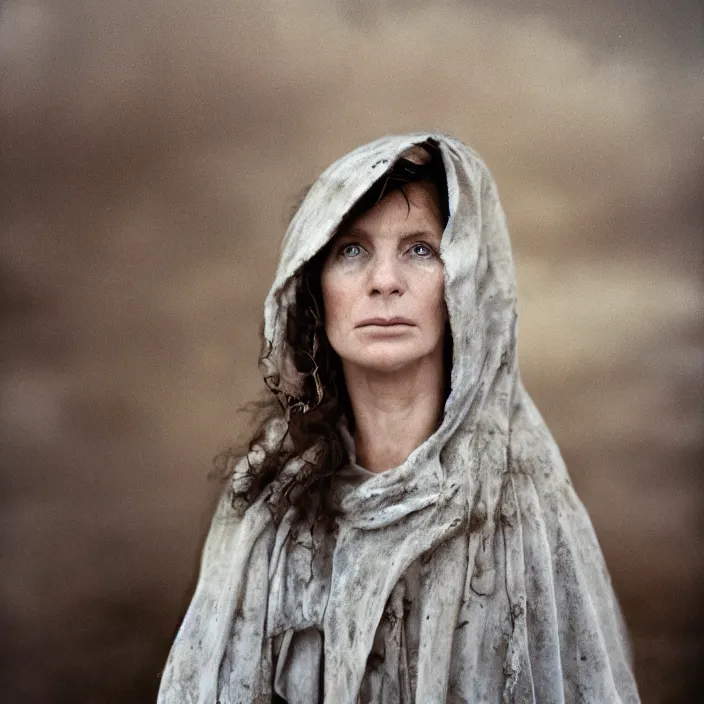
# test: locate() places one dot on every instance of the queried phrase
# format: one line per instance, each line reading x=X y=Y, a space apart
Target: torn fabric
x=470 y=573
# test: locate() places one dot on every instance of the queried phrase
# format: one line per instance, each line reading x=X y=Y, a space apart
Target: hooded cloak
x=469 y=573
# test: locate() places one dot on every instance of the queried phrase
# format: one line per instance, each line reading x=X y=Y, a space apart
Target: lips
x=385 y=322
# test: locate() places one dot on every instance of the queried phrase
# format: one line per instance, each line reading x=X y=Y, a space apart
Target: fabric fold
x=469 y=573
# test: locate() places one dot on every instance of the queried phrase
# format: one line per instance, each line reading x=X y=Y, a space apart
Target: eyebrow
x=412 y=234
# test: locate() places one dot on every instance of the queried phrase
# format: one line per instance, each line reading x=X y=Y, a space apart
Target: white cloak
x=470 y=573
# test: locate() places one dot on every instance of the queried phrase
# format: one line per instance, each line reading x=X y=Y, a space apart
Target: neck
x=394 y=412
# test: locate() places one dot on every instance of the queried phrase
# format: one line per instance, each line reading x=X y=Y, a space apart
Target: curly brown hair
x=297 y=446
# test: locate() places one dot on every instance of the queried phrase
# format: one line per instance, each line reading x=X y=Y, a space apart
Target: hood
x=480 y=289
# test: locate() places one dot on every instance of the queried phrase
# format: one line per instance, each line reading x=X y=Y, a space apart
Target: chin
x=387 y=360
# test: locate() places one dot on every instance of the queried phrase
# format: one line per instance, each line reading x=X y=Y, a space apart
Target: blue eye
x=422 y=250
x=350 y=251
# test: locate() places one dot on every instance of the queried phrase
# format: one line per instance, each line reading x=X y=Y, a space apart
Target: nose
x=386 y=277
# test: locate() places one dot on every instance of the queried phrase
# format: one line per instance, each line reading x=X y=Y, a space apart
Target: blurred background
x=151 y=152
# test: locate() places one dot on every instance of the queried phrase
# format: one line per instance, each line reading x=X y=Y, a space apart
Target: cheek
x=335 y=301
x=434 y=299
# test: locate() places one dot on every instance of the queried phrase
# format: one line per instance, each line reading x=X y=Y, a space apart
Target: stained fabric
x=470 y=573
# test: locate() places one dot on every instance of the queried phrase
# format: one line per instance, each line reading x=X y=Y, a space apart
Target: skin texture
x=386 y=264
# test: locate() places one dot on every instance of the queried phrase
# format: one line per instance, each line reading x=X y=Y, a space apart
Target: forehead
x=413 y=206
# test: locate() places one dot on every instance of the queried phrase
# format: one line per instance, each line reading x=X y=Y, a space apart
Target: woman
x=404 y=528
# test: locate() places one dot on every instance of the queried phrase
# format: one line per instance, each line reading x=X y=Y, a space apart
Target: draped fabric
x=469 y=573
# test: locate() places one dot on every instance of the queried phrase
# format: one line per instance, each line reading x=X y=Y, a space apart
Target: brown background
x=151 y=152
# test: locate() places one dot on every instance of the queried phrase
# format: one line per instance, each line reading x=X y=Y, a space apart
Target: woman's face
x=383 y=285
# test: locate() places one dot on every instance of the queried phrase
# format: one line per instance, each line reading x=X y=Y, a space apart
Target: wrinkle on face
x=395 y=271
